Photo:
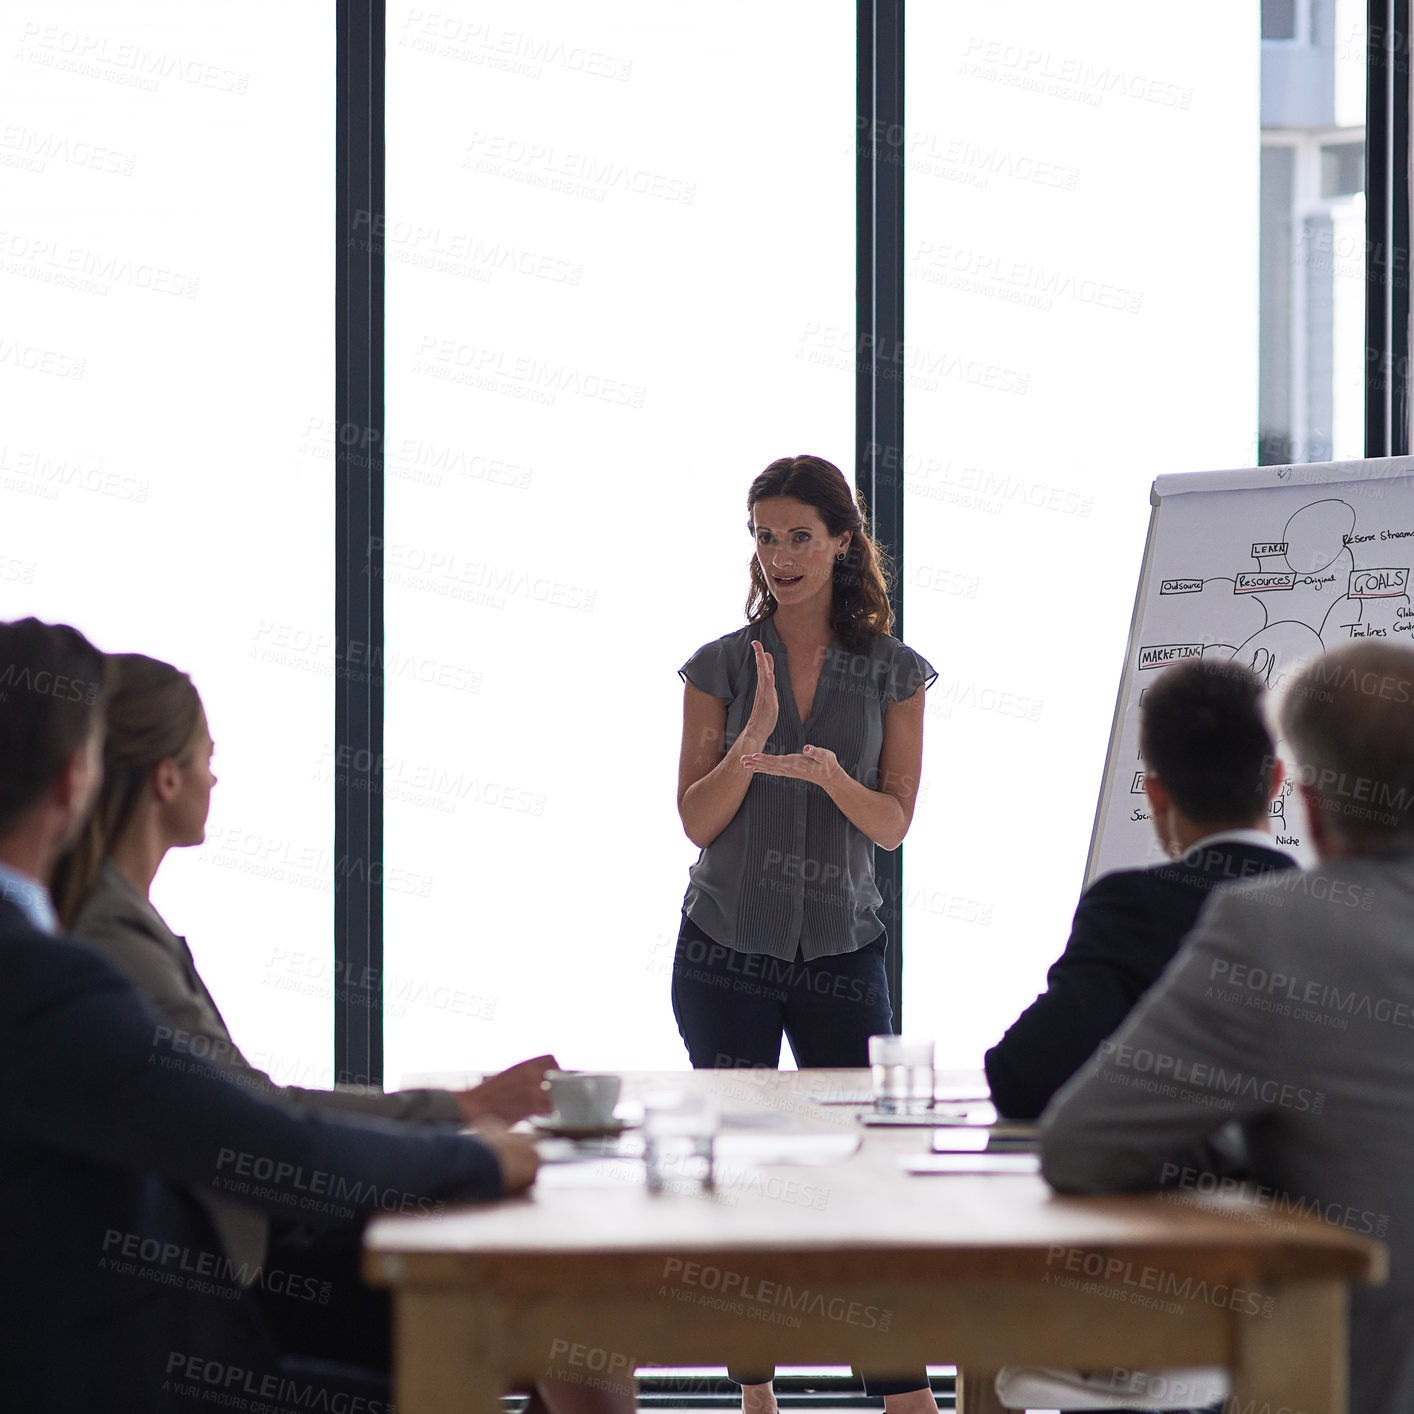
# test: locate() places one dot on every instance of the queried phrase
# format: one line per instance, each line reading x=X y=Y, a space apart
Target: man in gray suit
x=1290 y=1010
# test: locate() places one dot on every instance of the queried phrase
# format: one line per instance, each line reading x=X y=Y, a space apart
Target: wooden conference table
x=854 y=1260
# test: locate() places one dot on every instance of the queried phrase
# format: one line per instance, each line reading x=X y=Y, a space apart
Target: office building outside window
x=1313 y=238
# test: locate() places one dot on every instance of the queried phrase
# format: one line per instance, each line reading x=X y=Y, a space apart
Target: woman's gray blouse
x=789 y=871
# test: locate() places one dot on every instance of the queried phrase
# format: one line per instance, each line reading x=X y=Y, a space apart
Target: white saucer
x=562 y=1129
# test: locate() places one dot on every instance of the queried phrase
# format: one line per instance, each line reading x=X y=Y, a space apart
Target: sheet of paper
x=929 y=1119
x=970 y=1163
x=977 y=1141
x=739 y=1157
x=593 y=1173
x=943 y=1093
x=800 y=1149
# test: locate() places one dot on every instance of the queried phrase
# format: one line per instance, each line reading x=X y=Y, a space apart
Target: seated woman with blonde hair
x=156 y=796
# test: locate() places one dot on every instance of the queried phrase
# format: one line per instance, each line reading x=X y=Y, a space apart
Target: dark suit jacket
x=117 y=1294
x=1127 y=927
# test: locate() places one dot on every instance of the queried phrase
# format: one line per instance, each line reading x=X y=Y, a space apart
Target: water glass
x=679 y=1135
x=903 y=1074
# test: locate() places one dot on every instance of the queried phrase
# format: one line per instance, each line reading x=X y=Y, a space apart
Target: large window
x=1081 y=245
x=620 y=279
x=620 y=249
x=166 y=354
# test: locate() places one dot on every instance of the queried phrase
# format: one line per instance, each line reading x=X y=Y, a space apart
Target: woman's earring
x=841 y=555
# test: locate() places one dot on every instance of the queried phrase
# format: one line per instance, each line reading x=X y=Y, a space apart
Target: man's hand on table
x=513 y=1095
x=515 y=1153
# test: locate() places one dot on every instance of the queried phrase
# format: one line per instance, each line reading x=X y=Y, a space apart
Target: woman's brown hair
x=153 y=714
x=859 y=608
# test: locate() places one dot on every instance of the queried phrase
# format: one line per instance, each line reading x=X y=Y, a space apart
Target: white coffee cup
x=583 y=1098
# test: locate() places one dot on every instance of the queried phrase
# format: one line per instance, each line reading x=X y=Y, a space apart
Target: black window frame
x=1387 y=351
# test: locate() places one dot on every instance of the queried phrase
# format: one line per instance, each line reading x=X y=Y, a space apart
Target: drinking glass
x=903 y=1074
x=679 y=1133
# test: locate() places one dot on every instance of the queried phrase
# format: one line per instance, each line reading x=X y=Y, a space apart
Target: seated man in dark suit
x=1210 y=774
x=1315 y=1069
x=114 y=1297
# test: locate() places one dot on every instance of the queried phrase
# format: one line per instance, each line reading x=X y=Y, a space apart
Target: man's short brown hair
x=1202 y=733
x=51 y=698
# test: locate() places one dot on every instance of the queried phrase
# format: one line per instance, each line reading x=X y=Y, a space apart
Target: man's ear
x=1278 y=776
x=1316 y=822
x=1160 y=801
x=1162 y=810
x=72 y=781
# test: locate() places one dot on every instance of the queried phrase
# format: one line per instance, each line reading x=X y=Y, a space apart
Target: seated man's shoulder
x=1160 y=886
x=1224 y=863
x=1334 y=891
x=40 y=971
x=1185 y=885
x=1160 y=904
x=1121 y=883
x=1127 y=900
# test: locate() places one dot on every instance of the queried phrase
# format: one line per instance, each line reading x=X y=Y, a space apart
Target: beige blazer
x=117 y=921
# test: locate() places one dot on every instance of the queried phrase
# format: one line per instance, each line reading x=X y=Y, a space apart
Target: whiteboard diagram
x=1269 y=567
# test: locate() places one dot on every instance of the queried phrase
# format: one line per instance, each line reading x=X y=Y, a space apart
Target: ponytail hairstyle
x=859 y=607
x=154 y=714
